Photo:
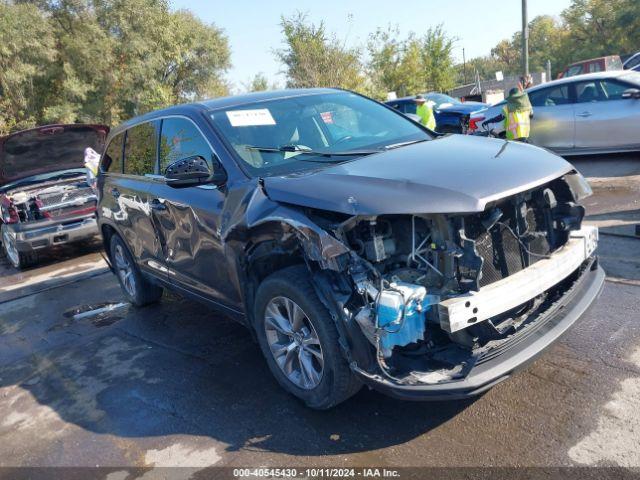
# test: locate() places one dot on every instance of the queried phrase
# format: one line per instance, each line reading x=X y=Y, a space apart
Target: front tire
x=137 y=289
x=19 y=260
x=299 y=340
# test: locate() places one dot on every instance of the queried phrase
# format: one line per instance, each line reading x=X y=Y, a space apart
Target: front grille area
x=502 y=253
x=55 y=198
x=67 y=202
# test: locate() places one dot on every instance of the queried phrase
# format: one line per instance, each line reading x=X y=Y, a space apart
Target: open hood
x=452 y=174
x=47 y=149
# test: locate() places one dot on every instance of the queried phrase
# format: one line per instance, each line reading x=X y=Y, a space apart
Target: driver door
x=553 y=122
x=188 y=219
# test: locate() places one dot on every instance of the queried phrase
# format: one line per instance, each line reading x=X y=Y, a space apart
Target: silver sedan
x=592 y=113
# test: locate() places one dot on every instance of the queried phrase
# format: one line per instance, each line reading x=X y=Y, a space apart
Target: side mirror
x=193 y=171
x=633 y=93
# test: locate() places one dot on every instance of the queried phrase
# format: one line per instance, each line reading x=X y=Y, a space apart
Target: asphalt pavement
x=175 y=384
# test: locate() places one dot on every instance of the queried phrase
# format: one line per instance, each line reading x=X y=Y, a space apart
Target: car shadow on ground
x=53 y=255
x=177 y=368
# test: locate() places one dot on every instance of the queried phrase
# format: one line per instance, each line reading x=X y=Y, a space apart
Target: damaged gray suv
x=357 y=246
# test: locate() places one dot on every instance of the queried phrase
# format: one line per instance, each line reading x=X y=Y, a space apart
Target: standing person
x=516 y=115
x=91 y=162
x=425 y=112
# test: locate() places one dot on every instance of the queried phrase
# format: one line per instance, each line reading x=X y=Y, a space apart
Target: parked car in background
x=45 y=199
x=356 y=246
x=601 y=64
x=594 y=113
x=452 y=115
x=633 y=62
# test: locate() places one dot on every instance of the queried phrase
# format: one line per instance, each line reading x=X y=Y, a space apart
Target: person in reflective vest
x=516 y=115
x=425 y=112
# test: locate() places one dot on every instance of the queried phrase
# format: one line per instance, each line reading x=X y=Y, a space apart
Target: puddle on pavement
x=100 y=314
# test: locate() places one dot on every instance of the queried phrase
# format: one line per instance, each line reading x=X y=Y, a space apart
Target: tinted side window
x=587 y=92
x=409 y=107
x=140 y=150
x=111 y=161
x=633 y=62
x=613 y=89
x=181 y=139
x=600 y=91
x=550 y=97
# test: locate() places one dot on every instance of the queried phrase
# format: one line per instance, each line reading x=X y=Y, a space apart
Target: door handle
x=156 y=204
x=584 y=114
x=115 y=192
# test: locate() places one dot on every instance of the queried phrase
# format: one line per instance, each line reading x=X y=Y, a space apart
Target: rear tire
x=304 y=355
x=136 y=288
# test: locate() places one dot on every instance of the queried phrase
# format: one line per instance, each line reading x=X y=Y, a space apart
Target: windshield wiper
x=299 y=149
x=403 y=144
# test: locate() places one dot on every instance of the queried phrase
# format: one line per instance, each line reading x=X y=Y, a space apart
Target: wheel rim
x=125 y=271
x=10 y=248
x=293 y=342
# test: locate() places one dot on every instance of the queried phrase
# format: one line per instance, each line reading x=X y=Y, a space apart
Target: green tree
x=107 y=60
x=258 y=83
x=602 y=27
x=27 y=51
x=586 y=29
x=486 y=67
x=410 y=65
x=437 y=56
x=548 y=40
x=313 y=58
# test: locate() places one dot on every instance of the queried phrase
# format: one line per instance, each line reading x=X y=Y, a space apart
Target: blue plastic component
x=399 y=331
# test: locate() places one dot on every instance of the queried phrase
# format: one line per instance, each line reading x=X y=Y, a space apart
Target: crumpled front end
x=446 y=305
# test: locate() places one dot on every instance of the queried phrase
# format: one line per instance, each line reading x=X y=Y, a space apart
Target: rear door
x=553 y=122
x=188 y=219
x=126 y=194
x=603 y=118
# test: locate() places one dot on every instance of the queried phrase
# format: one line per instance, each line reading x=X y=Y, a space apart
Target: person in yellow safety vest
x=425 y=112
x=516 y=115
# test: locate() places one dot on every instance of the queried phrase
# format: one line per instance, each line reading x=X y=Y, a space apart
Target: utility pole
x=525 y=40
x=464 y=66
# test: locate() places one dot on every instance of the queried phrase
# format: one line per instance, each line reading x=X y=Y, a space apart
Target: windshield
x=288 y=135
x=442 y=100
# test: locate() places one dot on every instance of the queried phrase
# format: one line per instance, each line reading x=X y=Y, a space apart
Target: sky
x=253 y=29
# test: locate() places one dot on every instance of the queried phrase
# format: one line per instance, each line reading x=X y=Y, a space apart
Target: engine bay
x=48 y=200
x=403 y=266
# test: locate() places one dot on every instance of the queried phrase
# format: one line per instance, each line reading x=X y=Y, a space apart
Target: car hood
x=47 y=149
x=452 y=174
x=465 y=108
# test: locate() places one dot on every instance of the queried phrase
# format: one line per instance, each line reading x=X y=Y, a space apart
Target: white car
x=592 y=113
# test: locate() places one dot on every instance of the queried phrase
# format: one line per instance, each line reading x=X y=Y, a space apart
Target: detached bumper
x=45 y=233
x=500 y=364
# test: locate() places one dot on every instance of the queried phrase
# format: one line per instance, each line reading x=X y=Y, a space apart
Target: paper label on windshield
x=250 y=118
x=327 y=117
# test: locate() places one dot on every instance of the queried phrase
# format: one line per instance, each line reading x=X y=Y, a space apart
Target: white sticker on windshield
x=250 y=118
